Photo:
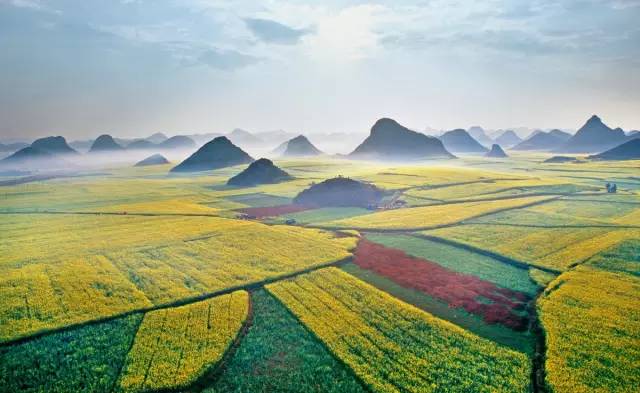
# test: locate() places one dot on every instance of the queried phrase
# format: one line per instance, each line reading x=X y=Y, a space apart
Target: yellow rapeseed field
x=555 y=248
x=176 y=346
x=480 y=188
x=94 y=266
x=592 y=322
x=395 y=347
x=431 y=216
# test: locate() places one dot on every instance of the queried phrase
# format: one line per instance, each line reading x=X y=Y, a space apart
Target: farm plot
x=493 y=303
x=522 y=341
x=273 y=211
x=497 y=187
x=417 y=218
x=324 y=214
x=460 y=260
x=417 y=176
x=94 y=193
x=85 y=359
x=393 y=346
x=591 y=319
x=258 y=199
x=623 y=258
x=176 y=346
x=98 y=266
x=595 y=209
x=279 y=355
x=550 y=248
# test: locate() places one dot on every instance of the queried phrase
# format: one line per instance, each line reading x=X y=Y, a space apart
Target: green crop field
x=461 y=260
x=486 y=276
x=279 y=354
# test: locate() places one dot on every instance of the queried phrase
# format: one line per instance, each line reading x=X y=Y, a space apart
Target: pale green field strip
x=461 y=260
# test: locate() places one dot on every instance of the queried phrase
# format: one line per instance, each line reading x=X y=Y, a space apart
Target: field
x=88 y=358
x=555 y=248
x=491 y=276
x=96 y=266
x=461 y=260
x=476 y=296
x=591 y=316
x=418 y=218
x=279 y=354
x=392 y=346
x=174 y=347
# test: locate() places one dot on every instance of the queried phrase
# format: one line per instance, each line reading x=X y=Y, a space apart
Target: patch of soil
x=479 y=297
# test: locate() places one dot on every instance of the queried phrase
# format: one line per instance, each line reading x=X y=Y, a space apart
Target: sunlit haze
x=134 y=67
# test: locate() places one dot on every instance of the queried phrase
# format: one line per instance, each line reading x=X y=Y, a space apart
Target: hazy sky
x=131 y=67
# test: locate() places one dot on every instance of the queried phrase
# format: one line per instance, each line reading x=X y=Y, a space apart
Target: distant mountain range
x=459 y=141
x=507 y=139
x=11 y=147
x=544 y=141
x=44 y=153
x=244 y=138
x=105 y=143
x=158 y=137
x=391 y=141
x=480 y=135
x=53 y=145
x=299 y=146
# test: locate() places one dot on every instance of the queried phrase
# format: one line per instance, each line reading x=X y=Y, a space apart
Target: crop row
x=176 y=346
x=591 y=319
x=394 y=347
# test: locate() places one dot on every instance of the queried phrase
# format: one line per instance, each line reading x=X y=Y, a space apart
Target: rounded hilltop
x=156 y=159
x=262 y=171
x=340 y=191
x=215 y=154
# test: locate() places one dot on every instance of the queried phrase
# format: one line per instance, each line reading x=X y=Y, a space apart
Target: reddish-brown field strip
x=483 y=298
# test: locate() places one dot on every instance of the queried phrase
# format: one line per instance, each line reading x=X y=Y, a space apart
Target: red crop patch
x=483 y=298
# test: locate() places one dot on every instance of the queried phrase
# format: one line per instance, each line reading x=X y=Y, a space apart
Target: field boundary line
x=122 y=213
x=250 y=286
x=365 y=386
x=116 y=381
x=213 y=372
x=613 y=226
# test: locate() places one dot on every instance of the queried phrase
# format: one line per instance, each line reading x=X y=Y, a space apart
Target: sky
x=81 y=68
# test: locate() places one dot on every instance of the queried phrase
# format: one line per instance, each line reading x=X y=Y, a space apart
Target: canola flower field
x=591 y=316
x=137 y=280
x=174 y=347
x=97 y=266
x=394 y=347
